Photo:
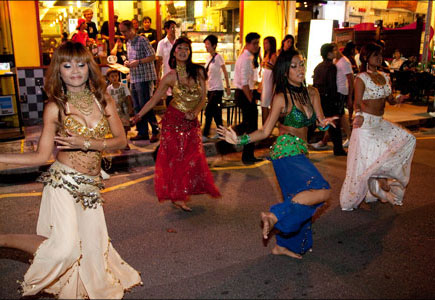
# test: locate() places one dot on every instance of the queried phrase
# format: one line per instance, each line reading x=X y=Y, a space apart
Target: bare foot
x=278 y=250
x=182 y=205
x=269 y=220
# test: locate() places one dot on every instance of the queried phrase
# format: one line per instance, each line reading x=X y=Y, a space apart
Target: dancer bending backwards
x=380 y=153
x=302 y=186
x=73 y=255
x=181 y=167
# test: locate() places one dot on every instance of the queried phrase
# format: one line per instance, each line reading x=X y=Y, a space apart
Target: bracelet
x=243 y=140
x=86 y=145
x=323 y=128
x=104 y=145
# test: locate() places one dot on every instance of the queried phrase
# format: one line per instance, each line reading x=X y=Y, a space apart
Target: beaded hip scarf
x=83 y=188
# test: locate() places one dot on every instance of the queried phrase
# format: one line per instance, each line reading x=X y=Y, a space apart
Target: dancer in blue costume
x=302 y=186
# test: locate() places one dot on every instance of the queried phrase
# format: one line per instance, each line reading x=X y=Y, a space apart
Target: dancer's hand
x=190 y=115
x=328 y=121
x=72 y=141
x=358 y=121
x=227 y=134
x=136 y=118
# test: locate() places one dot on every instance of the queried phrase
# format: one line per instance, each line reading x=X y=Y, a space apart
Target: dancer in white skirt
x=268 y=62
x=73 y=255
x=380 y=153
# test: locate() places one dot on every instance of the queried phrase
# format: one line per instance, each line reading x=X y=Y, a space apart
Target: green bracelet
x=244 y=139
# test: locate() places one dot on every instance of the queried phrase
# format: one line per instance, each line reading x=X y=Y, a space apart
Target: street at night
x=216 y=251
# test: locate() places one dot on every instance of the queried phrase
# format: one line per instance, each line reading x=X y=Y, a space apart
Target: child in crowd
x=121 y=95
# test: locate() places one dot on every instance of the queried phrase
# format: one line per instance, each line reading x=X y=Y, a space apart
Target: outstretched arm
x=46 y=141
x=315 y=101
x=166 y=82
x=278 y=104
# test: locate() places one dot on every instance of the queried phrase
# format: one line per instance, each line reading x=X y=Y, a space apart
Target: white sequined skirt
x=379 y=149
x=77 y=260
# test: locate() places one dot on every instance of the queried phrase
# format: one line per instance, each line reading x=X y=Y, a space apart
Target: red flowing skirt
x=181 y=167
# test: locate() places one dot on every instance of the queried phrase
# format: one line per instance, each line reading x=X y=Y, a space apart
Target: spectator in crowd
x=119 y=51
x=105 y=29
x=135 y=25
x=141 y=58
x=269 y=44
x=214 y=67
x=148 y=32
x=325 y=80
x=92 y=27
x=80 y=35
x=349 y=51
x=345 y=92
x=244 y=83
x=397 y=61
x=385 y=66
x=120 y=93
x=287 y=43
x=163 y=50
x=410 y=64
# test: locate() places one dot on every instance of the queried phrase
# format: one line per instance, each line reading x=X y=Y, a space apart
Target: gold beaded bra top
x=186 y=98
x=99 y=131
x=85 y=161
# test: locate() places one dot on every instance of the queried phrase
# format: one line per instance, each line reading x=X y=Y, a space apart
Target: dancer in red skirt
x=181 y=166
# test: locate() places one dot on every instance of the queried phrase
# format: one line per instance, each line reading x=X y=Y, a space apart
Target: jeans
x=213 y=110
x=141 y=94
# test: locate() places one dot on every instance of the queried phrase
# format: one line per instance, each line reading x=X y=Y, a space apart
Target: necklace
x=181 y=70
x=377 y=78
x=298 y=93
x=83 y=101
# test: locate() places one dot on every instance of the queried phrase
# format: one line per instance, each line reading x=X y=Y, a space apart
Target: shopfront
x=38 y=27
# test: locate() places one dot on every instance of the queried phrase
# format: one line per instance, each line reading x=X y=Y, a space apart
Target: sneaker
x=104 y=175
x=346 y=143
x=319 y=146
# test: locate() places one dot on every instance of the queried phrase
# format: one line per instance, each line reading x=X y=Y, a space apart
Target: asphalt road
x=377 y=251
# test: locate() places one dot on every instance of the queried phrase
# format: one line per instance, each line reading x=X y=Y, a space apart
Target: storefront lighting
x=79 y=4
x=180 y=3
x=60 y=17
x=320 y=33
x=71 y=9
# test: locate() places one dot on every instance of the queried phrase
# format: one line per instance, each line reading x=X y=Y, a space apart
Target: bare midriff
x=373 y=106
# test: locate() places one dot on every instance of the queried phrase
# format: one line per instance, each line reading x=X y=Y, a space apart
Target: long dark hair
x=54 y=85
x=288 y=37
x=272 y=43
x=367 y=51
x=191 y=68
x=280 y=75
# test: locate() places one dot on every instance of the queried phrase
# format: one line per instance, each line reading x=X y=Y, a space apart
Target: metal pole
x=426 y=35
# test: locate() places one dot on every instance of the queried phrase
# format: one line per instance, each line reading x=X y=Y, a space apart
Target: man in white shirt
x=344 y=91
x=244 y=83
x=163 y=50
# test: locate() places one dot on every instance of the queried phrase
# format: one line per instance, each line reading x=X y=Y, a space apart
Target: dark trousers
x=141 y=94
x=249 y=123
x=335 y=133
x=168 y=100
x=213 y=110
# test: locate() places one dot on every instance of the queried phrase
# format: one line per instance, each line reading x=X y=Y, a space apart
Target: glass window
x=197 y=19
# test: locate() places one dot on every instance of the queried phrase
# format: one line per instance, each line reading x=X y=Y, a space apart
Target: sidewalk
x=141 y=152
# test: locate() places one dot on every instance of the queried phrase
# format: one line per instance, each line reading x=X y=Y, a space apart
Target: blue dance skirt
x=296 y=174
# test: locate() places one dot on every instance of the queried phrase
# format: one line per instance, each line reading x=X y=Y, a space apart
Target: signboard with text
x=6 y=107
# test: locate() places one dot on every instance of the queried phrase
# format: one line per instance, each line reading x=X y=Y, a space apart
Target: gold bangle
x=104 y=145
x=86 y=145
